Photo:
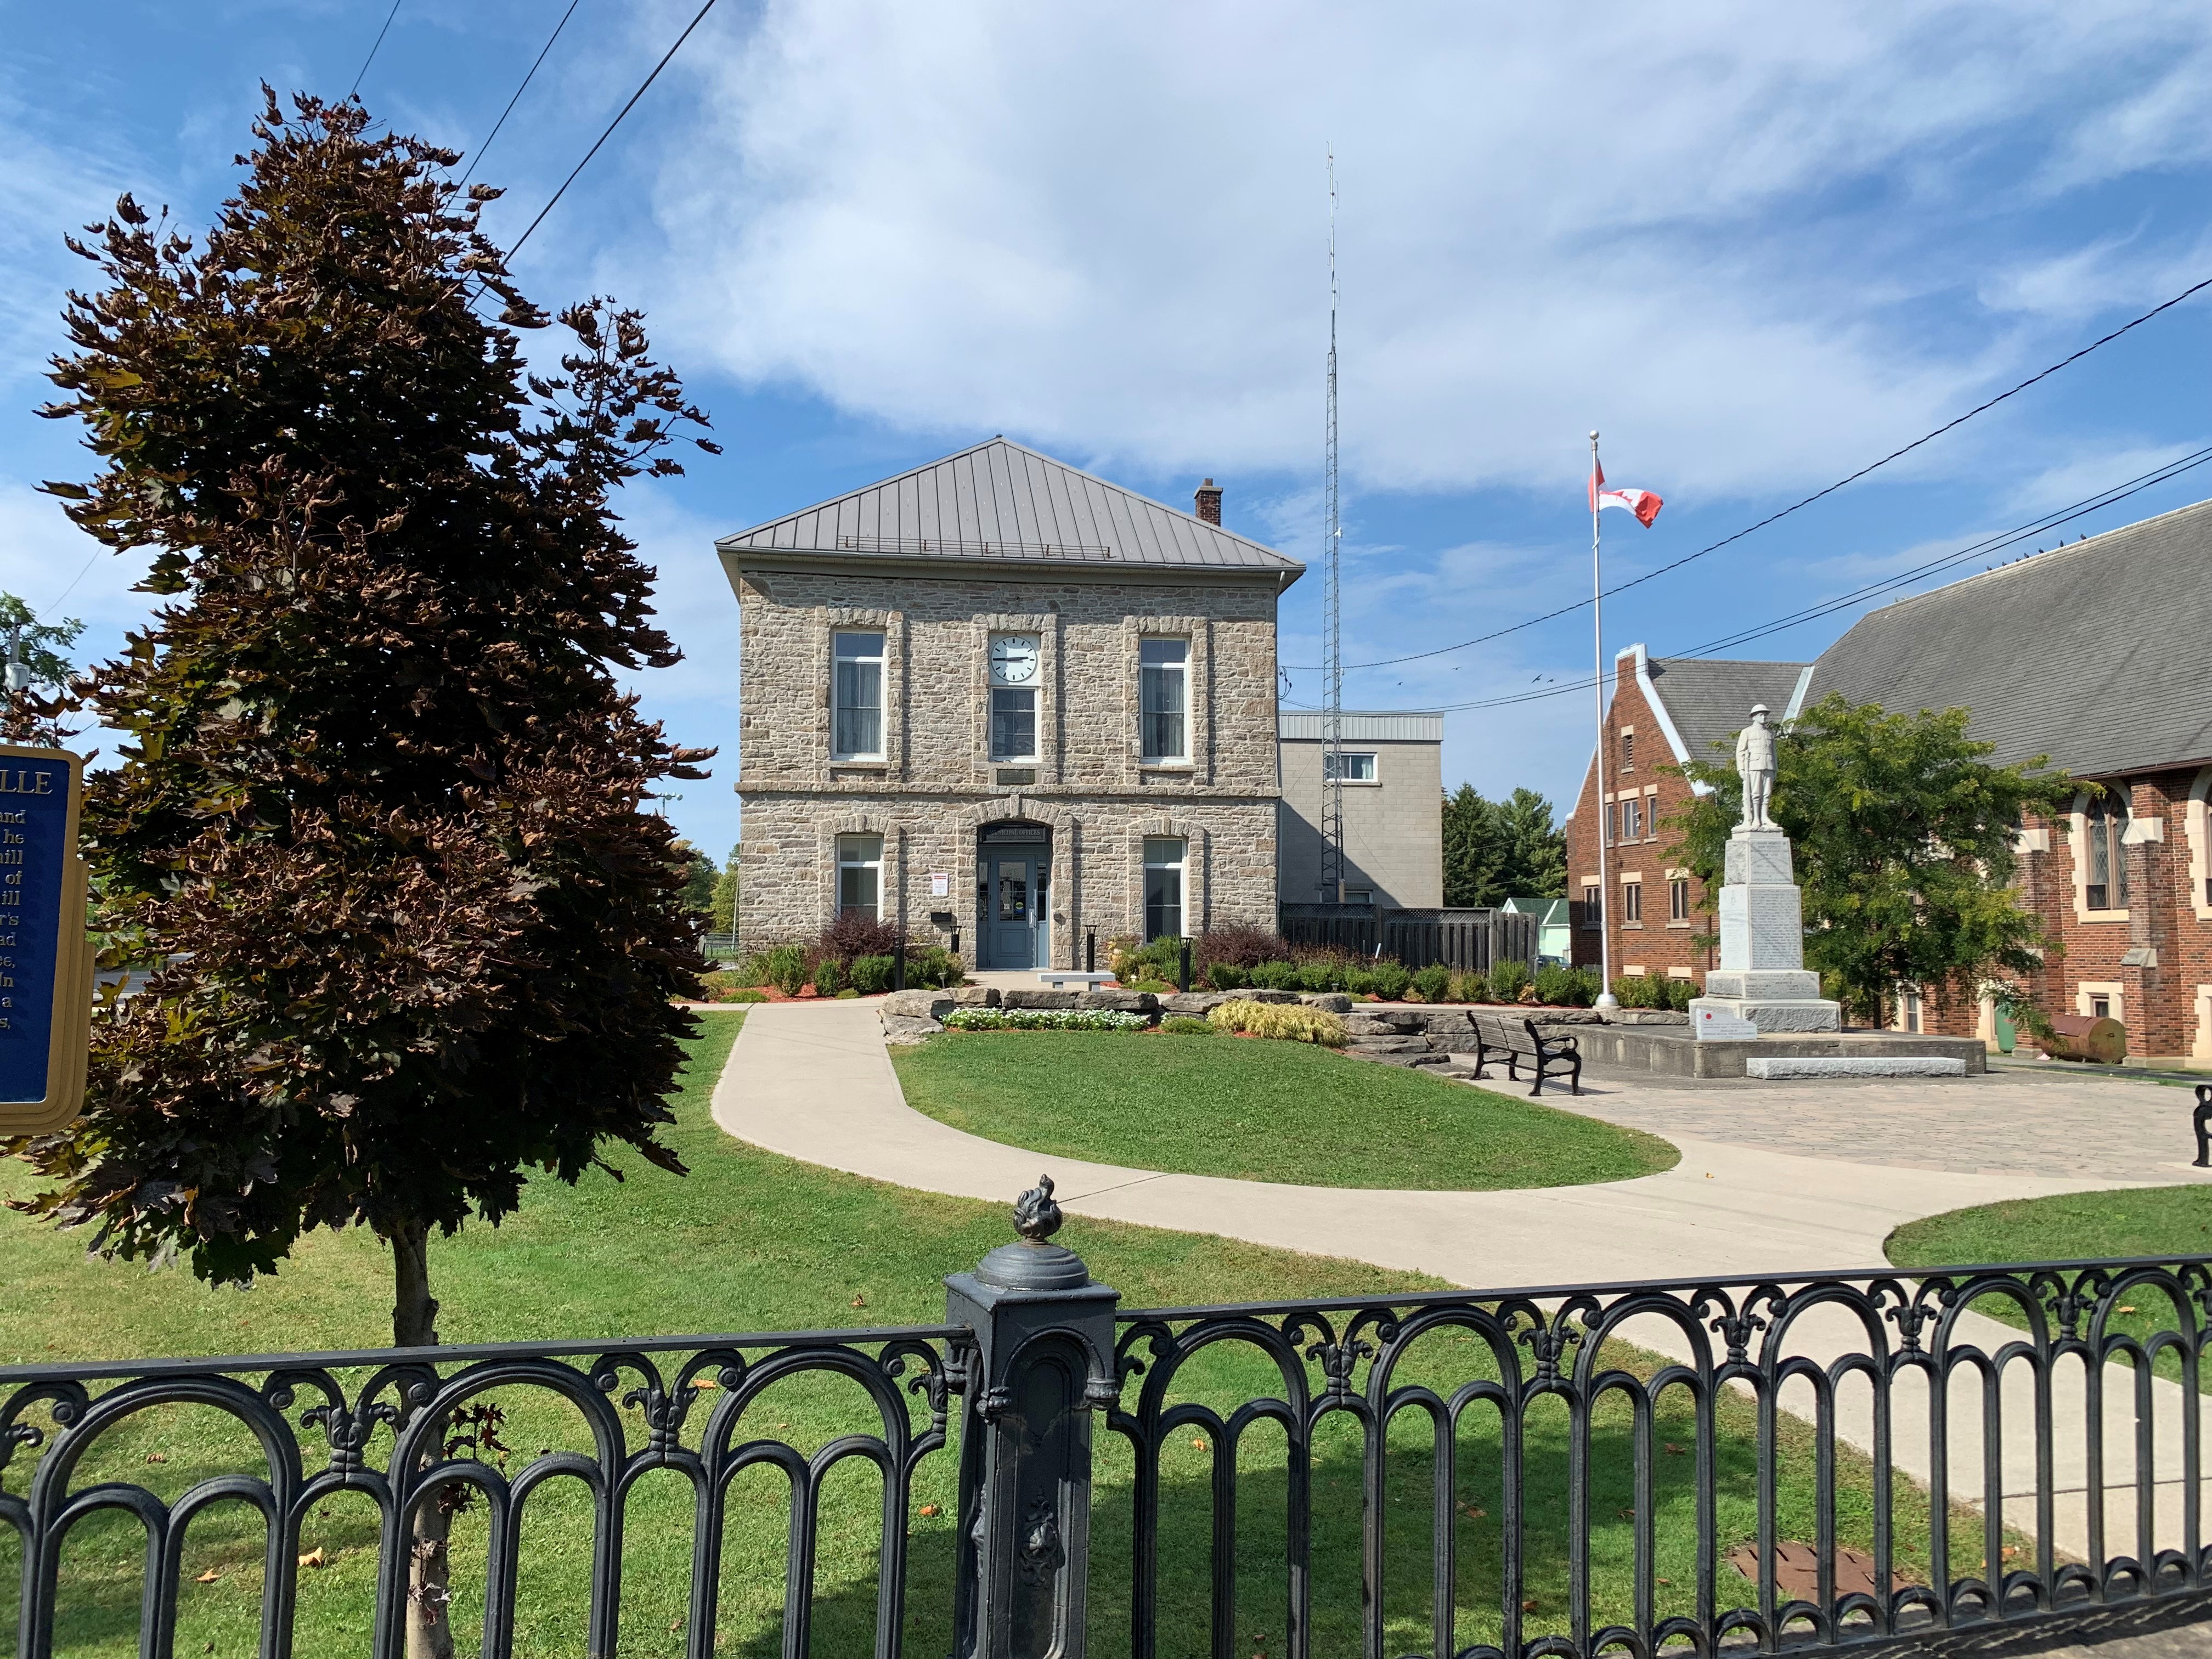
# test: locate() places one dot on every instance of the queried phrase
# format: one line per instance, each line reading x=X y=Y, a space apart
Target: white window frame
x=837 y=705
x=853 y=853
x=992 y=717
x=1181 y=866
x=1146 y=753
x=1373 y=758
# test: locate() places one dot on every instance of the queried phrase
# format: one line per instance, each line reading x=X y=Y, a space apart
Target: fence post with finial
x=1043 y=1362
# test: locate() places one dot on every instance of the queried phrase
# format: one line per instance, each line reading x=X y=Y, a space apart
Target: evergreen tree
x=378 y=809
x=1533 y=854
x=1471 y=849
x=700 y=878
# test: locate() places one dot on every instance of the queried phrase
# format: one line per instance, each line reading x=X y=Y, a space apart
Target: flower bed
x=1043 y=1020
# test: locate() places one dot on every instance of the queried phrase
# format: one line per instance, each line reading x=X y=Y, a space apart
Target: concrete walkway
x=814 y=1081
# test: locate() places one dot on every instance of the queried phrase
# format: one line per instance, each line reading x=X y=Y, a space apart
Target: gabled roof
x=2092 y=653
x=1710 y=698
x=1003 y=500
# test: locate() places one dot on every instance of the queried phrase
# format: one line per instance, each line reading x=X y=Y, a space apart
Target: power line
x=1771 y=517
x=374 y=50
x=516 y=246
x=2007 y=539
x=518 y=91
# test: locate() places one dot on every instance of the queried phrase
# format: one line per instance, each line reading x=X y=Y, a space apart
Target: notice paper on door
x=940 y=883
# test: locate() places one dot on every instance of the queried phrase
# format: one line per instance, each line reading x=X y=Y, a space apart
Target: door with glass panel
x=1010 y=886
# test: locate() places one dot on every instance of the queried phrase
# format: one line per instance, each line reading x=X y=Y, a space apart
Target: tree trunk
x=414 y=1314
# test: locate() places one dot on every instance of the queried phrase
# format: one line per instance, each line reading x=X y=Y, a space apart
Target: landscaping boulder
x=976 y=996
x=899 y=1031
x=931 y=1006
x=1122 y=1002
x=1368 y=1025
x=1333 y=1002
x=1257 y=995
x=1641 y=1017
x=1387 y=1045
x=1560 y=1015
x=1197 y=1005
x=1041 y=999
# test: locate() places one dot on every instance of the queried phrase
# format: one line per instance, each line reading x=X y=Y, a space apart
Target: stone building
x=998 y=699
x=2086 y=654
x=1393 y=821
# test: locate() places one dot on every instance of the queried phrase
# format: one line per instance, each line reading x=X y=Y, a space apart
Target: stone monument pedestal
x=1762 y=984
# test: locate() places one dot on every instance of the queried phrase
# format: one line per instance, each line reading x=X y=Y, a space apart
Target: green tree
x=43 y=649
x=1903 y=832
x=723 y=913
x=700 y=877
x=1496 y=850
x=1471 y=849
x=379 y=801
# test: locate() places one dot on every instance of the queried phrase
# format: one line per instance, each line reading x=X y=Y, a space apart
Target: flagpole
x=1605 y=996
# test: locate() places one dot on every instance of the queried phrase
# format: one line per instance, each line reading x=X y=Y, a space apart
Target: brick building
x=998 y=697
x=2090 y=654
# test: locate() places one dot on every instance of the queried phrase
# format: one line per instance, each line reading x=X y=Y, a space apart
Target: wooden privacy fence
x=1464 y=940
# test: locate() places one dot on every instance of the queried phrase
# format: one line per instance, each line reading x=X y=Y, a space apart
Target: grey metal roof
x=2092 y=653
x=1003 y=500
x=1388 y=725
x=1710 y=698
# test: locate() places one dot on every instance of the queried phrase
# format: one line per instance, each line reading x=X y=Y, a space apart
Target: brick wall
x=1636 y=763
x=937 y=783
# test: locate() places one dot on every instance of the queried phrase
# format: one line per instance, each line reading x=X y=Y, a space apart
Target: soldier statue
x=1754 y=764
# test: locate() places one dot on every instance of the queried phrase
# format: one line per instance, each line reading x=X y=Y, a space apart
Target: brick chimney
x=1208 y=503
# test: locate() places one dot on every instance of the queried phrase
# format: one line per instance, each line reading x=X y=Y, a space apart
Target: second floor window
x=1591 y=913
x=857 y=719
x=1163 y=671
x=1631 y=901
x=1678 y=899
x=2106 y=823
x=1015 y=659
x=1358 y=768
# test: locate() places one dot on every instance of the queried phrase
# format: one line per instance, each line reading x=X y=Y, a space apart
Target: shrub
x=783 y=966
x=1680 y=992
x=1360 y=980
x=935 y=969
x=1239 y=944
x=1322 y=974
x=854 y=935
x=1561 y=987
x=1507 y=981
x=1275 y=976
x=1470 y=988
x=847 y=991
x=1227 y=976
x=828 y=976
x=1391 y=982
x=1043 y=1020
x=1291 y=1022
x=1434 y=983
x=1184 y=1025
x=740 y=993
x=871 y=975
x=730 y=988
x=1120 y=950
x=1158 y=988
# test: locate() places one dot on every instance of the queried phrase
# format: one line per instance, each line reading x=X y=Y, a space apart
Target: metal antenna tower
x=1331 y=637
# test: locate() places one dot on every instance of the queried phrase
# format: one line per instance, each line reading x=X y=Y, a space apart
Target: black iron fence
x=1812 y=1463
x=1464 y=940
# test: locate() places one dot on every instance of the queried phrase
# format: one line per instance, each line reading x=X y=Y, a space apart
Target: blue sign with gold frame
x=46 y=962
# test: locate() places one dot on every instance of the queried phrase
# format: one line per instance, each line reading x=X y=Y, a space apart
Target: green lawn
x=2145 y=1221
x=1259 y=1110
x=751 y=1241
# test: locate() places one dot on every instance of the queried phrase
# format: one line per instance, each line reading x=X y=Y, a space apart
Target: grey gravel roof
x=1003 y=500
x=1710 y=698
x=2092 y=653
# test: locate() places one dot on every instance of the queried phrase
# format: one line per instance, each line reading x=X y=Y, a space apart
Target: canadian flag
x=1642 y=503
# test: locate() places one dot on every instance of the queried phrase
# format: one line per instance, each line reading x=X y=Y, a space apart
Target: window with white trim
x=1165 y=857
x=1163 y=687
x=857 y=694
x=1359 y=768
x=860 y=876
x=2104 y=827
x=1631 y=901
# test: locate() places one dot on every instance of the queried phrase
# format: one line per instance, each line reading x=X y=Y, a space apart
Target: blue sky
x=1757 y=249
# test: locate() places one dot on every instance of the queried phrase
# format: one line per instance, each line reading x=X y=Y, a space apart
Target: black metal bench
x=1519 y=1042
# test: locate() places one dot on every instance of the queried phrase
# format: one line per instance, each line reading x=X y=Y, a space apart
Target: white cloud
x=1107 y=234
